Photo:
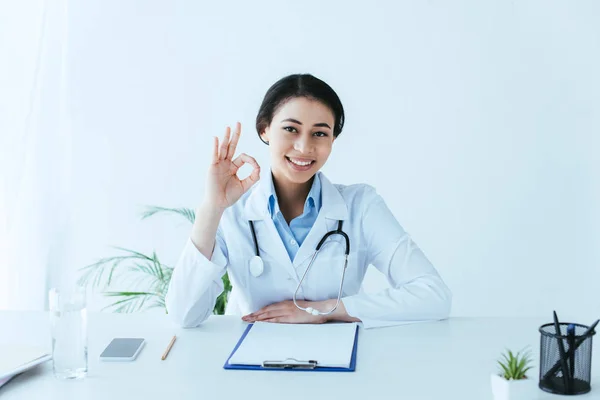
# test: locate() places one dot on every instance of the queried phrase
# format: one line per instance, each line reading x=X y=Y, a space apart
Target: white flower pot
x=524 y=389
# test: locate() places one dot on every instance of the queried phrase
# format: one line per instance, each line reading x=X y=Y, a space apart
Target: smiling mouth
x=300 y=163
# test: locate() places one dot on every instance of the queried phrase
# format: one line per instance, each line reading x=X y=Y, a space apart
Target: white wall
x=478 y=122
x=34 y=150
x=15 y=88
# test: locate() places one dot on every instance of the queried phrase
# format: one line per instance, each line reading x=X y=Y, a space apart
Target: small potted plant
x=512 y=383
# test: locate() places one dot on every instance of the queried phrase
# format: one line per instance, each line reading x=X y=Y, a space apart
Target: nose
x=303 y=144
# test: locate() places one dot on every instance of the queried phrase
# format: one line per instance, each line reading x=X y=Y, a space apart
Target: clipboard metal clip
x=290 y=363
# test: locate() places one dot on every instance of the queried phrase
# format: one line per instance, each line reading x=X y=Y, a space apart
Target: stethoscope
x=257 y=266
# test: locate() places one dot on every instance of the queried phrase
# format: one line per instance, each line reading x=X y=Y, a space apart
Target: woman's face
x=300 y=139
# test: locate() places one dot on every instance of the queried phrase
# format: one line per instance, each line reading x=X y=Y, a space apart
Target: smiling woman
x=302 y=143
x=268 y=236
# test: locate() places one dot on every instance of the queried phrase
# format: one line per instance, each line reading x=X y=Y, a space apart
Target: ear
x=265 y=135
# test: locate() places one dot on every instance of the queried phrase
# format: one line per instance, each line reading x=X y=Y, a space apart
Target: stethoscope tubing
x=338 y=231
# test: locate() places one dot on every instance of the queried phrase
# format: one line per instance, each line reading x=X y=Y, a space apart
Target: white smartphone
x=122 y=349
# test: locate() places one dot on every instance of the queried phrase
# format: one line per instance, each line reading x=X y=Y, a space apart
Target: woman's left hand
x=286 y=312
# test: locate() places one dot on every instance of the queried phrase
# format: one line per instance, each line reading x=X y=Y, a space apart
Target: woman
x=266 y=235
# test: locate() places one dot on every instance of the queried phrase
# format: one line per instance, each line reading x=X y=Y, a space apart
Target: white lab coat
x=417 y=292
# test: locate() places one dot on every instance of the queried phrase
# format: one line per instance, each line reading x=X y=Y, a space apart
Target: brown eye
x=290 y=129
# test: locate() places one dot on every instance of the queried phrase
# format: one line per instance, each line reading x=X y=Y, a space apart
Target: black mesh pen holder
x=569 y=374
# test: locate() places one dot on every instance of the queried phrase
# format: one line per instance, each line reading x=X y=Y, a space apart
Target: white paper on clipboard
x=330 y=345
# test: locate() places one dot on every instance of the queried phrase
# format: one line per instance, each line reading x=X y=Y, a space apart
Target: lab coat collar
x=333 y=205
x=333 y=208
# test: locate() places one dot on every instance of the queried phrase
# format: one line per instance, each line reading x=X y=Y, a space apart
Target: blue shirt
x=294 y=234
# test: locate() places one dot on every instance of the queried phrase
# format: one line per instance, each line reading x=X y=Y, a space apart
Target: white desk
x=441 y=360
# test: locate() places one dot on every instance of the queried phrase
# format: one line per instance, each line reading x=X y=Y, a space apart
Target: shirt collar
x=313 y=200
x=257 y=204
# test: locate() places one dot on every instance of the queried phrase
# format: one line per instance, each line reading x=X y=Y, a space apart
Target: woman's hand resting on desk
x=286 y=312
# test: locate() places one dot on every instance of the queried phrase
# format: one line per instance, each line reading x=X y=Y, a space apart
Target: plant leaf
x=128 y=294
x=133 y=301
x=522 y=363
x=186 y=213
x=134 y=253
x=95 y=272
x=505 y=370
x=123 y=303
x=157 y=265
x=112 y=270
x=515 y=365
x=135 y=270
x=141 y=267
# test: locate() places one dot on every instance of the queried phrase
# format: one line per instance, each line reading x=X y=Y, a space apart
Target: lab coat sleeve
x=417 y=291
x=196 y=283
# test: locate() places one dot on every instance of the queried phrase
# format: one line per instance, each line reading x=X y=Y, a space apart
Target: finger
x=254 y=176
x=234 y=140
x=275 y=308
x=251 y=316
x=264 y=310
x=241 y=160
x=224 y=144
x=215 y=157
x=270 y=315
x=278 y=320
x=245 y=159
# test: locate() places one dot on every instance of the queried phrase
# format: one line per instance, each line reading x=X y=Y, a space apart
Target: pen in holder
x=566 y=357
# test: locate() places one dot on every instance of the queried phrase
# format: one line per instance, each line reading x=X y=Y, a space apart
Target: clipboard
x=291 y=364
x=6 y=375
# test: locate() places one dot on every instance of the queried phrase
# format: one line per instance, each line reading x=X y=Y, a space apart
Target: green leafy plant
x=515 y=366
x=140 y=270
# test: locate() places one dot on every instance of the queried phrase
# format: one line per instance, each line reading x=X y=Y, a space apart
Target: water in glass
x=68 y=317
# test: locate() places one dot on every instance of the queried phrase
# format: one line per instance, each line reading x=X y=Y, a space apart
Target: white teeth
x=300 y=163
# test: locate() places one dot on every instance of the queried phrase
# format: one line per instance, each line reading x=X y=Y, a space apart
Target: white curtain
x=35 y=150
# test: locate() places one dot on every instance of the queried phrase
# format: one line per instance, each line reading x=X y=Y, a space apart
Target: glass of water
x=68 y=319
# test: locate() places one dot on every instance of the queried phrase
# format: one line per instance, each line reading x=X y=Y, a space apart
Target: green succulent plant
x=515 y=366
x=140 y=270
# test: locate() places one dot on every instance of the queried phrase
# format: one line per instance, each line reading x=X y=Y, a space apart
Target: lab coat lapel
x=333 y=209
x=270 y=244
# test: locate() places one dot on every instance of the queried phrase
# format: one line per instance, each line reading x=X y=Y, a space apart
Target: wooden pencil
x=166 y=353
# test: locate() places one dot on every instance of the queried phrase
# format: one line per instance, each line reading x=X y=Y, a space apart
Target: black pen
x=578 y=343
x=562 y=355
x=571 y=352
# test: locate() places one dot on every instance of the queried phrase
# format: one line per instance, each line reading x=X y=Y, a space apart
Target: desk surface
x=439 y=360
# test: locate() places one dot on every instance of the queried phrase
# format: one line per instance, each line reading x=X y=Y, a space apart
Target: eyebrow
x=321 y=124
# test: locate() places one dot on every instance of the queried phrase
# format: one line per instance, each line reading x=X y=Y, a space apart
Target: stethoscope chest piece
x=256 y=266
